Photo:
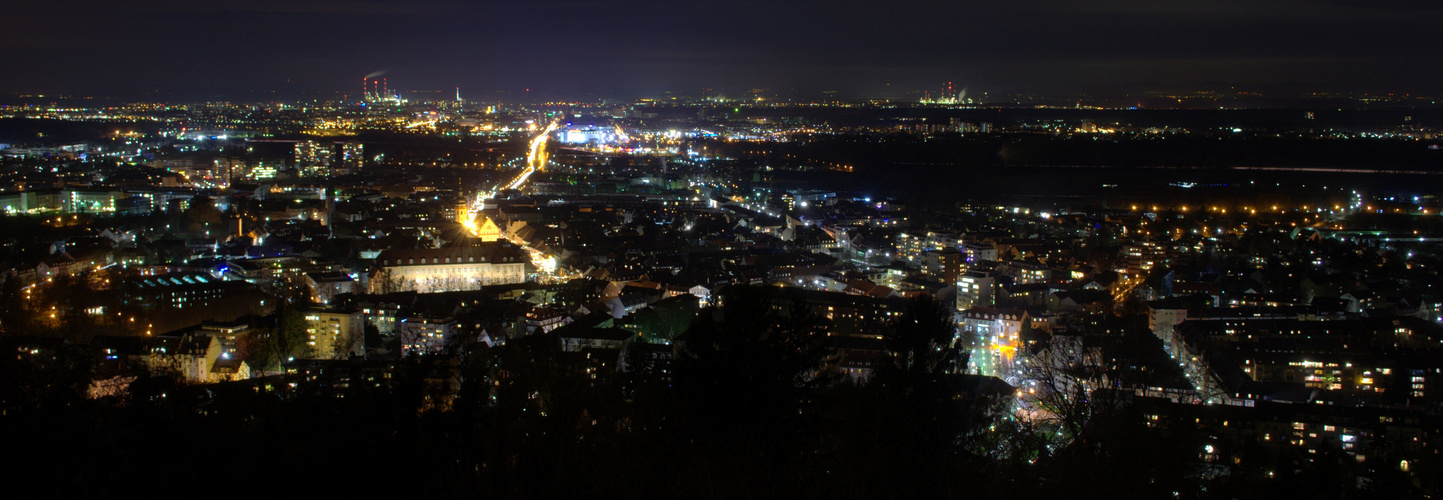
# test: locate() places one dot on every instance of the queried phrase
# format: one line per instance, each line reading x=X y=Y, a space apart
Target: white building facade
x=428 y=270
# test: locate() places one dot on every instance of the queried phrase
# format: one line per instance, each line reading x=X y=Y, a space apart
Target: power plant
x=376 y=90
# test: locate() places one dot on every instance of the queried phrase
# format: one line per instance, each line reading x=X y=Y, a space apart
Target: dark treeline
x=751 y=407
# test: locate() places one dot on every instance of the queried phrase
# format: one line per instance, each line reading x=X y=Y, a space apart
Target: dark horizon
x=1115 y=48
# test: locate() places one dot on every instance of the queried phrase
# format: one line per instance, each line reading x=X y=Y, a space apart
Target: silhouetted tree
x=268 y=348
x=746 y=360
x=14 y=314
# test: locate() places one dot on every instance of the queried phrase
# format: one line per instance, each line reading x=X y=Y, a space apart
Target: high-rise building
x=975 y=289
x=227 y=168
x=352 y=157
x=313 y=158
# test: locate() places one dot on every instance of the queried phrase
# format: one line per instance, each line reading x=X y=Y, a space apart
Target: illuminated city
x=789 y=251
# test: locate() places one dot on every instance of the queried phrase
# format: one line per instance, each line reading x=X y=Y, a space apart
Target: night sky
x=639 y=48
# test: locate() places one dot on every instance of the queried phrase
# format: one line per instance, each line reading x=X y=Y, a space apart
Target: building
x=846 y=314
x=1140 y=257
x=325 y=286
x=352 y=158
x=945 y=264
x=978 y=252
x=911 y=246
x=61 y=200
x=975 y=288
x=1164 y=315
x=63 y=264
x=1029 y=272
x=198 y=358
x=994 y=337
x=1373 y=361
x=383 y=315
x=313 y=158
x=422 y=335
x=179 y=290
x=487 y=231
x=429 y=270
x=546 y=319
x=335 y=334
x=581 y=339
x=88 y=201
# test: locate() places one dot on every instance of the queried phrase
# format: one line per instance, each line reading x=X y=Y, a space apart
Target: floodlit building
x=487 y=231
x=428 y=270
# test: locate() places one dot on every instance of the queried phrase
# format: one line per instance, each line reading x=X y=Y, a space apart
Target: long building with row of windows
x=427 y=270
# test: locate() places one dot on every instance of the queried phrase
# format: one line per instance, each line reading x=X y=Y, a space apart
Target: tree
x=292 y=334
x=1061 y=382
x=388 y=282
x=201 y=215
x=61 y=302
x=372 y=335
x=267 y=349
x=747 y=363
x=39 y=373
x=254 y=349
x=923 y=342
x=1123 y=454
x=14 y=315
x=925 y=373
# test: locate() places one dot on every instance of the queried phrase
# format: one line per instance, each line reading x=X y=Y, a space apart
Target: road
x=536 y=159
